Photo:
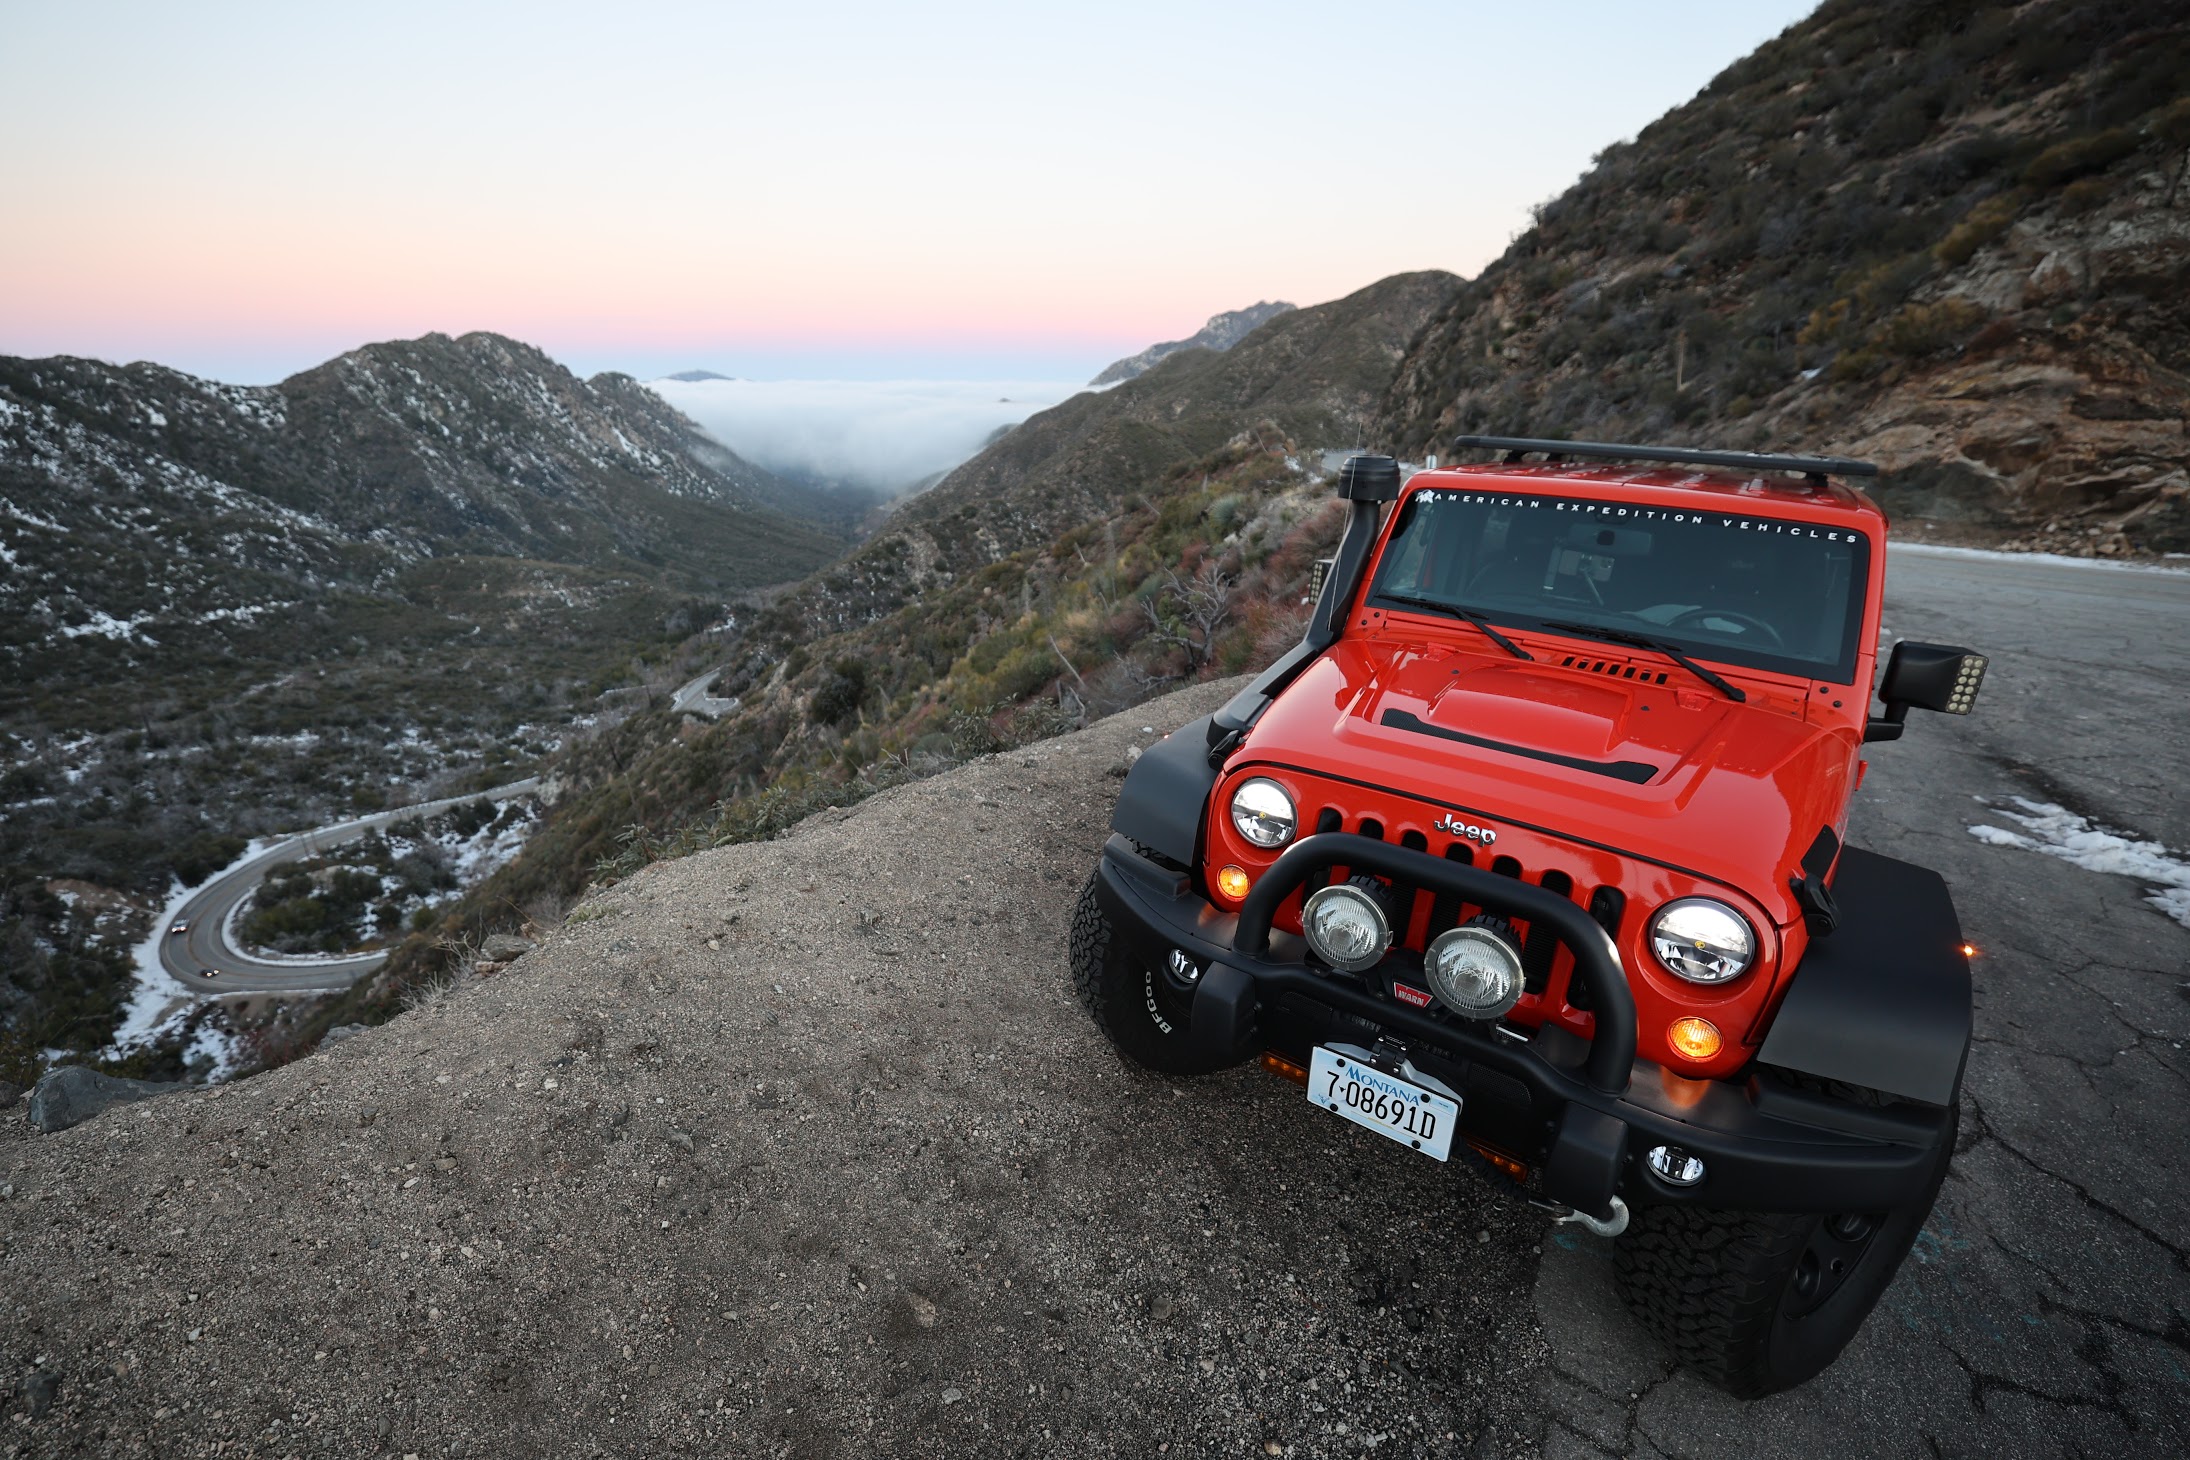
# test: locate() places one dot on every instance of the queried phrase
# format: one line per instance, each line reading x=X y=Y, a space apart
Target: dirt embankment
x=798 y=1148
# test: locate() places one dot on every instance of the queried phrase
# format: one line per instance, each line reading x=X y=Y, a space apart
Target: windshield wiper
x=1473 y=616
x=1644 y=641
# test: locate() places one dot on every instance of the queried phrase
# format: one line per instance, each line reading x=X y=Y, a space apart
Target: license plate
x=1421 y=1120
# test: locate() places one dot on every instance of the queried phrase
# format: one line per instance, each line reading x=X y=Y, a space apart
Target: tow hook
x=1606 y=1226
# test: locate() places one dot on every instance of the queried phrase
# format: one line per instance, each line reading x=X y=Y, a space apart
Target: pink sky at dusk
x=244 y=190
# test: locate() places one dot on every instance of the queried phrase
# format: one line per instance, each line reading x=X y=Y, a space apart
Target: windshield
x=1763 y=592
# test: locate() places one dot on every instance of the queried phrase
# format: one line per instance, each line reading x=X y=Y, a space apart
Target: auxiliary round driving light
x=1674 y=1165
x=1345 y=927
x=1473 y=972
x=1693 y=1038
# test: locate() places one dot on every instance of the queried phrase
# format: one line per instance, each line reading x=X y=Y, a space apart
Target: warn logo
x=1408 y=994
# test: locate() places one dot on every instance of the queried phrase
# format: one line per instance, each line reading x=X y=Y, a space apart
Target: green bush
x=1926 y=329
x=205 y=854
x=1854 y=365
x=840 y=693
x=2066 y=161
x=1980 y=226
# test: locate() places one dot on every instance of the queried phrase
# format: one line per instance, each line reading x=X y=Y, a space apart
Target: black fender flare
x=1166 y=793
x=1884 y=1003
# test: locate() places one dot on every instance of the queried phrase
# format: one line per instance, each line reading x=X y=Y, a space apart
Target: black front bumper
x=1582 y=1114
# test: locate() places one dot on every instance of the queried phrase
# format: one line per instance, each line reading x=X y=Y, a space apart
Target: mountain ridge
x=1220 y=333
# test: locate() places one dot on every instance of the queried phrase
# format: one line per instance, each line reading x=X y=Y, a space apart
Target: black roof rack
x=1517 y=447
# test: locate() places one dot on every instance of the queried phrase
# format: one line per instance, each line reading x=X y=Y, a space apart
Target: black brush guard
x=1590 y=1109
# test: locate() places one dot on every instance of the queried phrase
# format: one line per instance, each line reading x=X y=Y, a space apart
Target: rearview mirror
x=1925 y=677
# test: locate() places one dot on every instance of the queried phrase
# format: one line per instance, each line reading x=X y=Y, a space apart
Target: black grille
x=1547 y=974
x=1606 y=905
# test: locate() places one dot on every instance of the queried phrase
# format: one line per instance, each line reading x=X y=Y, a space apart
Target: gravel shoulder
x=800 y=1148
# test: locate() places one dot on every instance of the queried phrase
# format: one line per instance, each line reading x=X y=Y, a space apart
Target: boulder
x=72 y=1095
x=503 y=948
x=341 y=1032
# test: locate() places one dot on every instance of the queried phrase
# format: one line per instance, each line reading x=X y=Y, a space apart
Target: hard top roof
x=1516 y=447
x=1815 y=496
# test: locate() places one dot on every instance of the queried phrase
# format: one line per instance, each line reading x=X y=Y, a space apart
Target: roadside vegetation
x=1203 y=574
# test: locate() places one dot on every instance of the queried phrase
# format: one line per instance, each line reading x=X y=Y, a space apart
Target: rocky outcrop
x=73 y=1094
x=1970 y=267
x=504 y=948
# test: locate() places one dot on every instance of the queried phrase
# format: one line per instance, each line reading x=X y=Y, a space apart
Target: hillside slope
x=797 y=1149
x=1315 y=375
x=1951 y=238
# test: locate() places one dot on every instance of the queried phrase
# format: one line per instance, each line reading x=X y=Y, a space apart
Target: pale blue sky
x=816 y=189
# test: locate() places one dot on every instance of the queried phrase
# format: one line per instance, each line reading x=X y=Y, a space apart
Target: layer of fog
x=884 y=435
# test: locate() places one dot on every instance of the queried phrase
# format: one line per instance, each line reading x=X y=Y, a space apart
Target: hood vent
x=1618 y=669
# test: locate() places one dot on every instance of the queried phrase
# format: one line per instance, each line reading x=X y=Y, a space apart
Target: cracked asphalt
x=2046 y=1308
x=804 y=1149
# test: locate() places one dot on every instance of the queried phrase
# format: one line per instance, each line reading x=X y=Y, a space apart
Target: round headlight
x=1702 y=941
x=1263 y=813
x=1345 y=927
x=1473 y=972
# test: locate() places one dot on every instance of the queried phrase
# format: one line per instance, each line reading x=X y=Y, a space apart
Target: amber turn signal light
x=1278 y=1064
x=1505 y=1161
x=1232 y=882
x=1693 y=1038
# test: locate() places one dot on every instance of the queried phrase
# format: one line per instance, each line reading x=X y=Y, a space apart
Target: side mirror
x=1925 y=677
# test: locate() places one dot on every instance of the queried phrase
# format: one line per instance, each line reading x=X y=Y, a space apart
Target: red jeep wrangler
x=1532 y=852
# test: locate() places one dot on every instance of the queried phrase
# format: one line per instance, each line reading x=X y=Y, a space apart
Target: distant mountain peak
x=1222 y=332
x=698 y=375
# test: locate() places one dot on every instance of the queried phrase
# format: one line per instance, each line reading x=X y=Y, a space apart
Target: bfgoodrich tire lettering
x=1743 y=1298
x=1144 y=1015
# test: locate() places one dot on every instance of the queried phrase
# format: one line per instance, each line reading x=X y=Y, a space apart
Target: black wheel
x=1757 y=1302
x=1144 y=1010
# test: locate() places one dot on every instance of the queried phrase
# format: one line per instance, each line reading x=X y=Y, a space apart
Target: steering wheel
x=1742 y=622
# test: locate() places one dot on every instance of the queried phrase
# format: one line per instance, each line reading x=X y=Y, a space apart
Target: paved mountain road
x=206 y=945
x=804 y=1149
x=692 y=698
x=2046 y=1309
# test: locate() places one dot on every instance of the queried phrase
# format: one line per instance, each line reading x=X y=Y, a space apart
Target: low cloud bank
x=886 y=435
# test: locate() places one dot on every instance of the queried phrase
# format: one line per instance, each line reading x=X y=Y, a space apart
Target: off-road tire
x=1720 y=1288
x=1147 y=1023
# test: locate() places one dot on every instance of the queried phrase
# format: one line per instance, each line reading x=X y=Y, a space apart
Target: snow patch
x=2059 y=832
x=1941 y=550
x=107 y=626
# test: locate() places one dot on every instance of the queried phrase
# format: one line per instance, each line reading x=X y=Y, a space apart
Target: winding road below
x=692 y=698
x=204 y=960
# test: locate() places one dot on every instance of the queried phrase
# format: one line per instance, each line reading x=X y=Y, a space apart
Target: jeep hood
x=1675 y=773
